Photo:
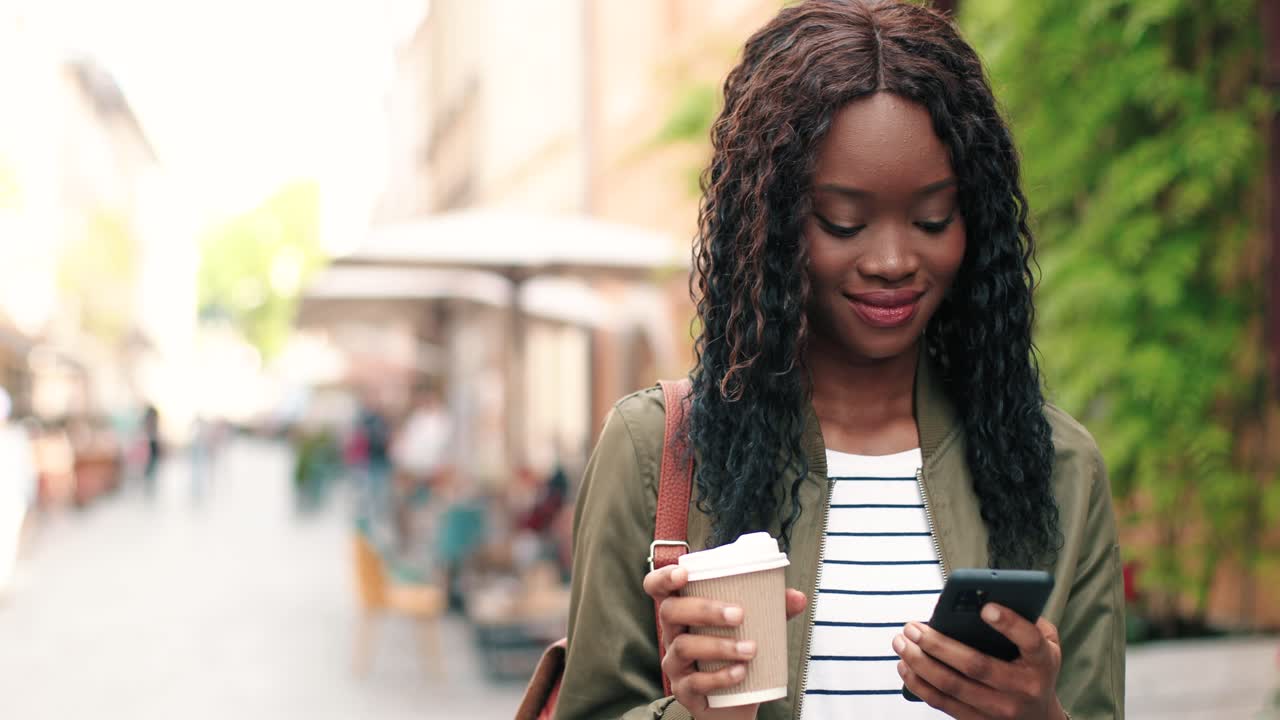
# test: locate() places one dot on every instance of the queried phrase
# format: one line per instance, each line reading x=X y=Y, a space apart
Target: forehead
x=882 y=142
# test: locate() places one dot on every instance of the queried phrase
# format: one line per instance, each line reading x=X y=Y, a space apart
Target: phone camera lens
x=967 y=601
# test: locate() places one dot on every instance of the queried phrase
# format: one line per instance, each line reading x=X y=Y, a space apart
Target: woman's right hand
x=685 y=650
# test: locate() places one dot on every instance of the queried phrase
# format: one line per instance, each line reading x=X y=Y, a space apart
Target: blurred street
x=219 y=601
x=223 y=600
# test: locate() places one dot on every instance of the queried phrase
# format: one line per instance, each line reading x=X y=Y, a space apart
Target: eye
x=936 y=227
x=842 y=231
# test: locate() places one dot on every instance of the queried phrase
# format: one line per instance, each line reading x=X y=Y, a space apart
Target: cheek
x=823 y=261
x=945 y=261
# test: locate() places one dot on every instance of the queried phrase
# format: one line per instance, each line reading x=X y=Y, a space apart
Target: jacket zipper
x=928 y=517
x=817 y=577
x=813 y=611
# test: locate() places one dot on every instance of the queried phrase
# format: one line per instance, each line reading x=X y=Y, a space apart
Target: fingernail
x=737 y=672
x=913 y=633
x=679 y=575
x=733 y=615
x=746 y=648
x=899 y=645
x=991 y=614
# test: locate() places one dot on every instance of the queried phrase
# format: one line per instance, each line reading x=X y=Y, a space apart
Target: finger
x=1048 y=630
x=934 y=697
x=796 y=602
x=699 y=612
x=1018 y=629
x=675 y=664
x=703 y=683
x=946 y=680
x=974 y=664
x=688 y=649
x=665 y=581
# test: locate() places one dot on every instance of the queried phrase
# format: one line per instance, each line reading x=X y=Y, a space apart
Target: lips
x=886 y=308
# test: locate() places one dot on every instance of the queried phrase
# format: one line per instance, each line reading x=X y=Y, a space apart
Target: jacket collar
x=935 y=415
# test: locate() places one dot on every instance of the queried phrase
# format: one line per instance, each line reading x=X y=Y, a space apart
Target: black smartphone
x=957 y=614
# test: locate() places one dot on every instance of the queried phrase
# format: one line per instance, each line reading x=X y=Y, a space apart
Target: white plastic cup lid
x=753 y=552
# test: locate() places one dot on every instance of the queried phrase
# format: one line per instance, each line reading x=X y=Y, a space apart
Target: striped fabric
x=879 y=570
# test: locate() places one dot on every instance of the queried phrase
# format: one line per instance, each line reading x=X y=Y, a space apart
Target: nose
x=888 y=254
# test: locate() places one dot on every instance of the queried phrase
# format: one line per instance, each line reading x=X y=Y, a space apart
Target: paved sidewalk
x=222 y=605
x=1234 y=679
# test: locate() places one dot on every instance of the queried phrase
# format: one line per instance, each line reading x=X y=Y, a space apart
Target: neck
x=857 y=400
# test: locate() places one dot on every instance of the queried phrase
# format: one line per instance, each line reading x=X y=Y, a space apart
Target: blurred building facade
x=648 y=61
x=645 y=61
x=507 y=129
x=552 y=109
x=407 y=191
x=557 y=107
x=508 y=105
x=94 y=284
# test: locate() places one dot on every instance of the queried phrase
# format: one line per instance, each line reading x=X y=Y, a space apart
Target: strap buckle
x=653 y=546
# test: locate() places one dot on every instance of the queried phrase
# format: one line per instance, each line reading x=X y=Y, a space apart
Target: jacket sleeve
x=1091 y=683
x=612 y=668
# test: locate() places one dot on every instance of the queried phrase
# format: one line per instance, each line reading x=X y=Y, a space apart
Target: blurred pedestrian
x=18 y=483
x=204 y=456
x=373 y=439
x=420 y=454
x=151 y=429
x=421 y=447
x=550 y=497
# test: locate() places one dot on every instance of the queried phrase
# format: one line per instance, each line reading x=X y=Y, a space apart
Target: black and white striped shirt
x=879 y=570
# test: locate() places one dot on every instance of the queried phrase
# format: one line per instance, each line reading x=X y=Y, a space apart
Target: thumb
x=796 y=602
x=665 y=582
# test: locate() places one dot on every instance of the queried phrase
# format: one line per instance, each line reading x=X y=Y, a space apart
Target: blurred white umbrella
x=558 y=299
x=520 y=243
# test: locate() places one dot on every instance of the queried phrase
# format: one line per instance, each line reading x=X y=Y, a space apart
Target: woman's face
x=885 y=237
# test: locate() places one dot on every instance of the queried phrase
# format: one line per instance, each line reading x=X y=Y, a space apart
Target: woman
x=865 y=297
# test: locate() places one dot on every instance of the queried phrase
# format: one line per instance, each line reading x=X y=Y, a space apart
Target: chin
x=885 y=347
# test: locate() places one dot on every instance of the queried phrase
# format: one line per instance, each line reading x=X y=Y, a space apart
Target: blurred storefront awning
x=521 y=244
x=555 y=299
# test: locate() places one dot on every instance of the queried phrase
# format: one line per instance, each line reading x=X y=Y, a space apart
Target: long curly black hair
x=751 y=388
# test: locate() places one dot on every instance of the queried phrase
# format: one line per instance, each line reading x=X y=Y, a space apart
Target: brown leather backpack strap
x=675 y=487
x=540 y=696
x=675 y=484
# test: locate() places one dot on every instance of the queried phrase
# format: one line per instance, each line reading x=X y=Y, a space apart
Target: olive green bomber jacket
x=613 y=668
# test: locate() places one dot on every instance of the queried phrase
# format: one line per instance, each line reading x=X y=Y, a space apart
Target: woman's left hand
x=966 y=683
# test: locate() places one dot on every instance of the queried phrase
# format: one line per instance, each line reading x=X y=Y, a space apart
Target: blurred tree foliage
x=254 y=266
x=1141 y=126
x=689 y=123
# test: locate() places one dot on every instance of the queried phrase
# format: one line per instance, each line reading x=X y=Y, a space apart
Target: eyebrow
x=858 y=192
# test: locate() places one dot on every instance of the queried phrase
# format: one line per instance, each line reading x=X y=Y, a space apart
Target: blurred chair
x=380 y=595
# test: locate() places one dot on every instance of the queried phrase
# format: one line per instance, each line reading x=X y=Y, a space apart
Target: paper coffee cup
x=749 y=573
